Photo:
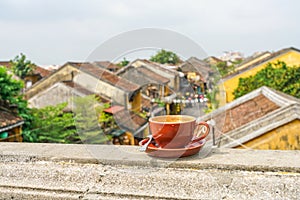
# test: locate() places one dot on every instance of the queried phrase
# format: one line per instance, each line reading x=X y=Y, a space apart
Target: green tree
x=51 y=124
x=22 y=67
x=164 y=57
x=224 y=69
x=10 y=89
x=89 y=118
x=10 y=94
x=277 y=75
x=123 y=63
x=106 y=120
x=213 y=102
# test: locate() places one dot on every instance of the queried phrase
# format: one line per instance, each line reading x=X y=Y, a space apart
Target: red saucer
x=189 y=150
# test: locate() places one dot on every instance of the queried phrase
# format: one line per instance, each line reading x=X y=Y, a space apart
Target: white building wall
x=100 y=87
x=56 y=94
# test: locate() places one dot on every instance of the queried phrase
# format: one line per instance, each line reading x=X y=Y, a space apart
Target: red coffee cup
x=176 y=131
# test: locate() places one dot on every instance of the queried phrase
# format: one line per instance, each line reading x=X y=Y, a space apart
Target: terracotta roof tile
x=194 y=64
x=38 y=70
x=252 y=115
x=8 y=119
x=197 y=64
x=108 y=65
x=106 y=76
x=43 y=72
x=6 y=64
x=129 y=120
x=153 y=75
x=114 y=109
x=246 y=112
x=142 y=75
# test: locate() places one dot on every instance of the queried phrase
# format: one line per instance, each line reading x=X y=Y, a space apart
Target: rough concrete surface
x=51 y=171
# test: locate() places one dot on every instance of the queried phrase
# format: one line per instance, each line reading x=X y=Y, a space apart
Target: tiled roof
x=158 y=66
x=142 y=75
x=129 y=121
x=246 y=112
x=153 y=75
x=38 y=70
x=43 y=72
x=212 y=58
x=85 y=91
x=194 y=64
x=8 y=120
x=106 y=76
x=197 y=64
x=114 y=109
x=264 y=60
x=108 y=65
x=146 y=102
x=5 y=63
x=77 y=87
x=252 y=115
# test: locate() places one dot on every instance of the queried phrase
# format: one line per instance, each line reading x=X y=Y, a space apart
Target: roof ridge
x=251 y=58
x=110 y=73
x=139 y=69
x=273 y=55
x=277 y=97
x=157 y=65
x=260 y=128
x=50 y=74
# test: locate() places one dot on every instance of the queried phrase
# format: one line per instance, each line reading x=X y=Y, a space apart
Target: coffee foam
x=173 y=119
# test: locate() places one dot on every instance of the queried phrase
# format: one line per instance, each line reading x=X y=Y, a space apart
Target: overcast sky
x=57 y=31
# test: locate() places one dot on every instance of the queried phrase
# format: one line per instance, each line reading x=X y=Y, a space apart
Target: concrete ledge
x=58 y=171
x=216 y=158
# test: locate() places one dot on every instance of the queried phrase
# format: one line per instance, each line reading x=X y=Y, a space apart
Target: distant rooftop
x=261 y=61
x=38 y=70
x=253 y=114
x=105 y=75
x=157 y=66
x=141 y=75
x=108 y=65
x=9 y=120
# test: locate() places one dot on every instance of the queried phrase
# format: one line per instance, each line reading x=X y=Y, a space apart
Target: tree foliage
x=212 y=94
x=22 y=67
x=123 y=63
x=10 y=94
x=89 y=119
x=51 y=124
x=165 y=57
x=9 y=88
x=224 y=69
x=277 y=75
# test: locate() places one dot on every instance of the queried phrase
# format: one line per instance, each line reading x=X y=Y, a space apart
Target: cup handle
x=202 y=133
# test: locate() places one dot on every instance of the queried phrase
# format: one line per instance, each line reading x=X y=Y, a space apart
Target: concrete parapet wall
x=57 y=171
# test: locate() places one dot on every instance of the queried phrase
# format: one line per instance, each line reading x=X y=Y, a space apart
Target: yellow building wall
x=286 y=137
x=137 y=102
x=290 y=58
